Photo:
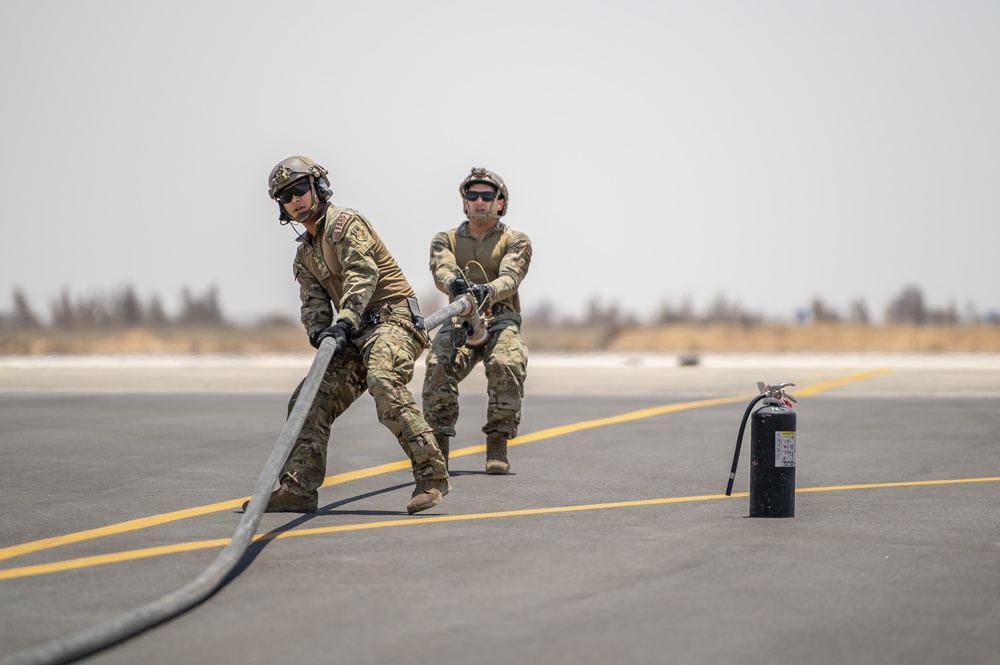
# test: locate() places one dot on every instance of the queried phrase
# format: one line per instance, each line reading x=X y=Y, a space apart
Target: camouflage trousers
x=380 y=361
x=505 y=361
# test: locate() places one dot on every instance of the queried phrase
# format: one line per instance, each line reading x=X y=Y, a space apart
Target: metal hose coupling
x=473 y=321
x=475 y=327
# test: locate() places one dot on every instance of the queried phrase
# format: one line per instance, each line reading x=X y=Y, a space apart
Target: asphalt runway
x=612 y=541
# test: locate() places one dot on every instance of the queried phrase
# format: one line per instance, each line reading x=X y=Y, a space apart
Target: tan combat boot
x=283 y=501
x=427 y=494
x=496 y=454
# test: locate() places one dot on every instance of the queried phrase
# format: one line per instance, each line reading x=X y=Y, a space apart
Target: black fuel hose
x=90 y=640
x=101 y=636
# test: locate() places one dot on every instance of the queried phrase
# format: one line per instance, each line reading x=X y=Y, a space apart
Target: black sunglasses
x=296 y=189
x=472 y=196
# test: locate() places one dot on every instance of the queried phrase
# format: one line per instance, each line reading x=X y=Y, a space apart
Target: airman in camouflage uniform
x=352 y=290
x=488 y=259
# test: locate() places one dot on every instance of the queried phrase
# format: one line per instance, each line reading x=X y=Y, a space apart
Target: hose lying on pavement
x=103 y=635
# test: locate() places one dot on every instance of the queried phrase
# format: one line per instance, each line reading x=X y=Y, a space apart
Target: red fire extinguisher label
x=784 y=449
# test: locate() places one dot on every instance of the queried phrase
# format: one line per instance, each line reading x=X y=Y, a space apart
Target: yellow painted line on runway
x=602 y=422
x=156 y=520
x=915 y=483
x=131 y=555
x=121 y=527
x=541 y=435
x=116 y=557
x=836 y=383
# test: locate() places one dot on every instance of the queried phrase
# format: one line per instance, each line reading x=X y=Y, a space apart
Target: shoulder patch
x=342 y=219
x=359 y=234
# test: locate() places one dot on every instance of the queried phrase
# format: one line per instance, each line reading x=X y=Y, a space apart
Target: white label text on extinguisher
x=784 y=449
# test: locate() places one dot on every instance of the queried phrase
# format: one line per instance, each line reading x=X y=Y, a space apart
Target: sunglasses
x=297 y=189
x=473 y=196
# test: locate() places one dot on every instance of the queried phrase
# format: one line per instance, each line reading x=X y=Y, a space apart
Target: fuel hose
x=118 y=629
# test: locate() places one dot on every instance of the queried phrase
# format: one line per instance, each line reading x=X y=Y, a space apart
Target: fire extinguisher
x=772 y=452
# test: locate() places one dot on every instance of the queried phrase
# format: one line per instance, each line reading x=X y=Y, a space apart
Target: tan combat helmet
x=296 y=168
x=489 y=178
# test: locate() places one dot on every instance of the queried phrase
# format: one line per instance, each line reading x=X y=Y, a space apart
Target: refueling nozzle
x=475 y=326
x=472 y=321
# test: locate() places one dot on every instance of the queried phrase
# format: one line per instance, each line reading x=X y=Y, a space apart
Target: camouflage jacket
x=504 y=255
x=345 y=269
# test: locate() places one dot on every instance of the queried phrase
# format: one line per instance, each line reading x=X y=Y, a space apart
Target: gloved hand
x=341 y=332
x=314 y=338
x=458 y=286
x=481 y=292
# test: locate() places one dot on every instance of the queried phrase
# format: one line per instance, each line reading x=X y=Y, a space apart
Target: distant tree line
x=121 y=309
x=124 y=309
x=906 y=308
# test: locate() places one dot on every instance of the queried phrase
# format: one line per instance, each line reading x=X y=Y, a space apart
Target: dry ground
x=674 y=338
x=815 y=337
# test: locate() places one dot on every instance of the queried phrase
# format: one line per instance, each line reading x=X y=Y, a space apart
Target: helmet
x=295 y=168
x=488 y=178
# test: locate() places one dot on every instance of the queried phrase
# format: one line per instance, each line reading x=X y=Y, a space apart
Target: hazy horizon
x=767 y=153
x=110 y=301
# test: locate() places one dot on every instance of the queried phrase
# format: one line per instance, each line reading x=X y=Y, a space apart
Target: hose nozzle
x=473 y=322
x=475 y=326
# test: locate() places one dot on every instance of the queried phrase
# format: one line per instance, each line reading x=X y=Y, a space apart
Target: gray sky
x=768 y=152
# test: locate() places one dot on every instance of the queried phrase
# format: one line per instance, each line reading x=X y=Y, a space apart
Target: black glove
x=341 y=332
x=458 y=286
x=481 y=292
x=314 y=338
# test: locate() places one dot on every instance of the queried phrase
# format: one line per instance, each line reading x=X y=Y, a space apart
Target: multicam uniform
x=347 y=263
x=503 y=255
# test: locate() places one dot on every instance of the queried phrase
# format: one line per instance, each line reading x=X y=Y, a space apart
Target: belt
x=373 y=315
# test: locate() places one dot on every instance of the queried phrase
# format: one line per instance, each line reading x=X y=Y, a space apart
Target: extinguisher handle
x=777 y=392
